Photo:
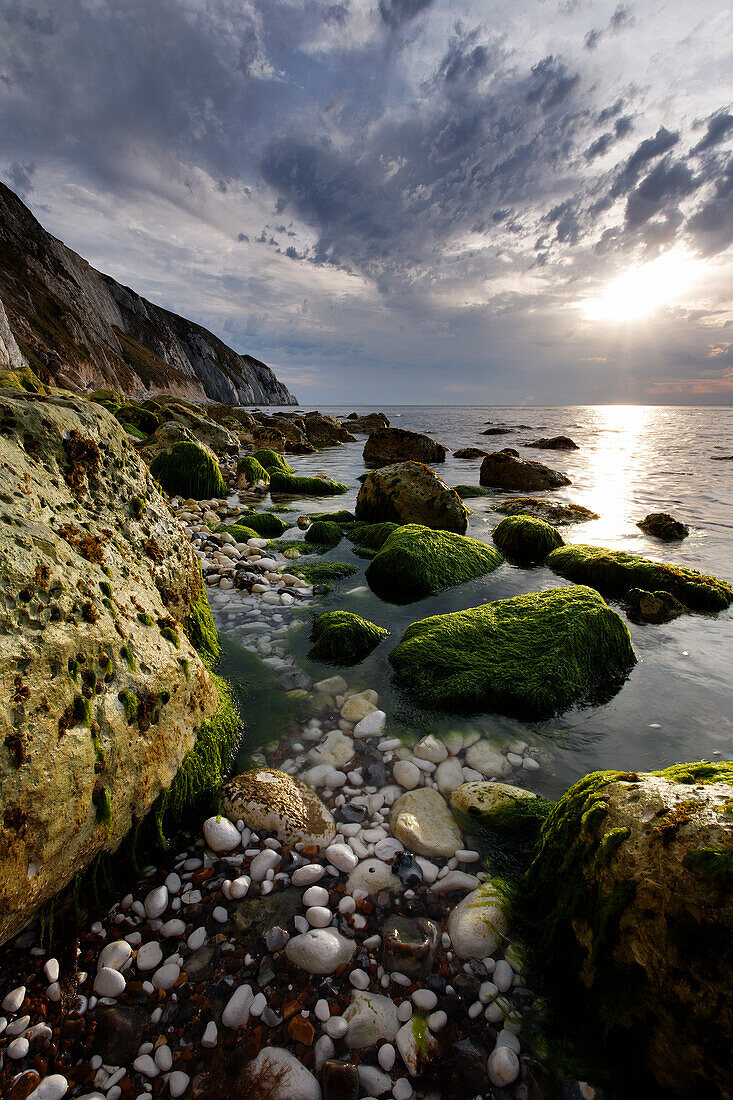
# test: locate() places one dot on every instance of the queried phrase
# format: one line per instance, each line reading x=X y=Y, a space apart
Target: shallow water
x=677 y=703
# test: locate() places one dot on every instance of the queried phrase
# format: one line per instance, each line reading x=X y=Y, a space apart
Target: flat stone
x=370 y=1017
x=356 y=708
x=430 y=748
x=372 y=725
x=268 y=800
x=336 y=749
x=320 y=950
x=449 y=775
x=114 y=955
x=423 y=822
x=406 y=774
x=478 y=798
x=478 y=924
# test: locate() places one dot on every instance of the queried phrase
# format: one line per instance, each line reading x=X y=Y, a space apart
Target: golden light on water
x=643 y=289
x=617 y=462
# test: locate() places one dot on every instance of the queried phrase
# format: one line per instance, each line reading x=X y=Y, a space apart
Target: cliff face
x=81 y=329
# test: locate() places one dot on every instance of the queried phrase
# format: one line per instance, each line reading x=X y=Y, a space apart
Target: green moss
x=610 y=844
x=342 y=517
x=189 y=470
x=526 y=539
x=531 y=656
x=663 y=526
x=144 y=618
x=106 y=589
x=142 y=420
x=323 y=533
x=253 y=470
x=315 y=571
x=713 y=864
x=133 y=431
x=417 y=561
x=137 y=507
x=466 y=492
x=127 y=656
x=23 y=379
x=240 y=533
x=289 y=485
x=703 y=771
x=266 y=524
x=130 y=705
x=420 y=1033
x=372 y=536
x=271 y=460
x=103 y=807
x=172 y=636
x=343 y=639
x=82 y=711
x=509 y=831
x=199 y=628
x=186 y=666
x=616 y=572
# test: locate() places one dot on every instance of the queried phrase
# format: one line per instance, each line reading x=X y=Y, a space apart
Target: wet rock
x=408 y=946
x=557 y=512
x=554 y=443
x=119 y=1033
x=201 y=963
x=423 y=822
x=320 y=950
x=507 y=471
x=409 y=492
x=470 y=1059
x=255 y=916
x=373 y=876
x=653 y=607
x=470 y=452
x=276 y=1074
x=370 y=1017
x=663 y=526
x=269 y=800
x=351 y=815
x=478 y=924
x=407 y=869
x=340 y=1081
x=386 y=446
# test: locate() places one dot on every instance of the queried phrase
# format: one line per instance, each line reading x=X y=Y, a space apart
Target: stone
x=484 y=758
x=356 y=707
x=554 y=443
x=336 y=749
x=236 y=1010
x=370 y=1017
x=558 y=512
x=449 y=776
x=278 y=1075
x=268 y=800
x=320 y=950
x=149 y=956
x=454 y=882
x=423 y=822
x=503 y=1066
x=663 y=526
x=415 y=1046
x=166 y=976
x=333 y=685
x=341 y=856
x=408 y=945
x=386 y=446
x=409 y=492
x=373 y=876
x=340 y=1081
x=430 y=748
x=220 y=834
x=109 y=982
x=371 y=725
x=505 y=470
x=156 y=902
x=52 y=1087
x=477 y=798
x=373 y=1081
x=256 y=916
x=119 y=1033
x=478 y=925
x=406 y=774
x=114 y=955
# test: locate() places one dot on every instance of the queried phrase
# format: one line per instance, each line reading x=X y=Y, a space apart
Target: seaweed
x=253 y=470
x=417 y=561
x=525 y=539
x=325 y=534
x=344 y=639
x=291 y=485
x=272 y=460
x=189 y=470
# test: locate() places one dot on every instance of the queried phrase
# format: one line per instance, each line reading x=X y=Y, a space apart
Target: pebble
x=342 y=857
x=178 y=1082
x=315 y=895
x=359 y=979
x=318 y=916
x=166 y=976
x=156 y=902
x=503 y=1066
x=221 y=834
x=13 y=1000
x=239 y=886
x=109 y=982
x=503 y=976
x=18 y=1048
x=304 y=876
x=267 y=860
x=210 y=1036
x=402 y=1089
x=424 y=999
x=236 y=1011
x=406 y=774
x=371 y=725
x=149 y=956
x=52 y=1087
x=386 y=1056
x=146 y=1065
x=164 y=1058
x=336 y=1027
x=320 y=951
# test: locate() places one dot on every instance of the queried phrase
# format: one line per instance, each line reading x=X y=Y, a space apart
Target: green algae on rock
x=189 y=470
x=251 y=470
x=240 y=533
x=526 y=539
x=266 y=524
x=615 y=572
x=317 y=571
x=344 y=639
x=272 y=460
x=324 y=533
x=291 y=485
x=417 y=561
x=531 y=656
x=343 y=517
x=557 y=512
x=371 y=535
x=663 y=526
x=467 y=492
x=410 y=492
x=652 y=607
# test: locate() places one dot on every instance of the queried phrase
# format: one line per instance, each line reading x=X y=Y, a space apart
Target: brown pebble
x=24 y=1086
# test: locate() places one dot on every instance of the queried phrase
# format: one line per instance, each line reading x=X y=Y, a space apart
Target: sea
x=677 y=703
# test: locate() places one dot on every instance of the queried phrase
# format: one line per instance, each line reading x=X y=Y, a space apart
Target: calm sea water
x=677 y=703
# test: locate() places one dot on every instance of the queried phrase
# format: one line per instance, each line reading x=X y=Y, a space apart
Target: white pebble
x=156 y=902
x=342 y=857
x=359 y=979
x=145 y=1065
x=402 y=1089
x=149 y=956
x=437 y=1020
x=164 y=1058
x=14 y=999
x=322 y=1011
x=305 y=876
x=166 y=976
x=503 y=1066
x=109 y=982
x=51 y=970
x=404 y=1011
x=197 y=938
x=210 y=1036
x=240 y=886
x=424 y=999
x=386 y=1056
x=18 y=1048
x=220 y=834
x=178 y=1083
x=318 y=916
x=336 y=1027
x=52 y=1087
x=315 y=895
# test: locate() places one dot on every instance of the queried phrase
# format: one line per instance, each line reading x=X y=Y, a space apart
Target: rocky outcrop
x=11 y=358
x=410 y=492
x=102 y=692
x=505 y=470
x=388 y=445
x=81 y=329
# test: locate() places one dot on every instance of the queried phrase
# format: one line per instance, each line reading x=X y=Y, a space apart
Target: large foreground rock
x=410 y=492
x=505 y=470
x=102 y=693
x=630 y=900
x=529 y=655
x=388 y=445
x=416 y=561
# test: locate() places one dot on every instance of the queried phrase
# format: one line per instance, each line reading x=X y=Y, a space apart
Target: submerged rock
x=530 y=655
x=423 y=822
x=616 y=572
x=470 y=452
x=385 y=446
x=320 y=950
x=556 y=512
x=416 y=561
x=270 y=800
x=342 y=638
x=370 y=1017
x=478 y=925
x=663 y=526
x=526 y=539
x=505 y=470
x=410 y=492
x=276 y=1074
x=408 y=946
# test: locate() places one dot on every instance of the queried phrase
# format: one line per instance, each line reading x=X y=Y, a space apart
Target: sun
x=643 y=289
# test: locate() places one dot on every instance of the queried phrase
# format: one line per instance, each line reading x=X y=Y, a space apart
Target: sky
x=399 y=201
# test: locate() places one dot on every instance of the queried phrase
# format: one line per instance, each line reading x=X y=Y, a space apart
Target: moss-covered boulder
x=145 y=420
x=189 y=470
x=525 y=539
x=466 y=492
x=505 y=470
x=266 y=524
x=663 y=526
x=321 y=572
x=323 y=533
x=104 y=695
x=293 y=486
x=410 y=492
x=652 y=607
x=371 y=535
x=385 y=446
x=193 y=417
x=530 y=656
x=615 y=572
x=556 y=512
x=240 y=532
x=342 y=517
x=628 y=909
x=416 y=561
x=251 y=472
x=343 y=639
x=272 y=460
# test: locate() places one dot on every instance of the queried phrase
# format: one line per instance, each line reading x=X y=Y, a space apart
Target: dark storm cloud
x=667 y=183
x=712 y=225
x=718 y=128
x=396 y=12
x=551 y=83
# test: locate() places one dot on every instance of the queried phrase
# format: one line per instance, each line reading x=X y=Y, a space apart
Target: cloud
x=712 y=226
x=397 y=12
x=621 y=19
x=718 y=127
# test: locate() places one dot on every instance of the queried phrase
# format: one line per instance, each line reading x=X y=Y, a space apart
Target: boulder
x=416 y=561
x=507 y=471
x=629 y=903
x=410 y=492
x=250 y=472
x=270 y=800
x=470 y=452
x=615 y=572
x=422 y=820
x=525 y=539
x=497 y=431
x=663 y=526
x=325 y=431
x=479 y=799
x=556 y=512
x=103 y=694
x=364 y=425
x=530 y=656
x=191 y=416
x=554 y=443
x=385 y=446
x=189 y=470
x=478 y=924
x=292 y=486
x=272 y=460
x=342 y=638
x=652 y=607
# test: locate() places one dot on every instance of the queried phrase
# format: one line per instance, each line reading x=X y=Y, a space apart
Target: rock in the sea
x=470 y=452
x=652 y=607
x=416 y=561
x=663 y=526
x=276 y=1074
x=529 y=655
x=272 y=801
x=554 y=443
x=505 y=470
x=369 y=422
x=556 y=512
x=325 y=431
x=615 y=572
x=422 y=820
x=479 y=800
x=410 y=492
x=104 y=694
x=386 y=446
x=478 y=925
x=342 y=638
x=189 y=470
x=630 y=901
x=320 y=950
x=526 y=540
x=370 y=1017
